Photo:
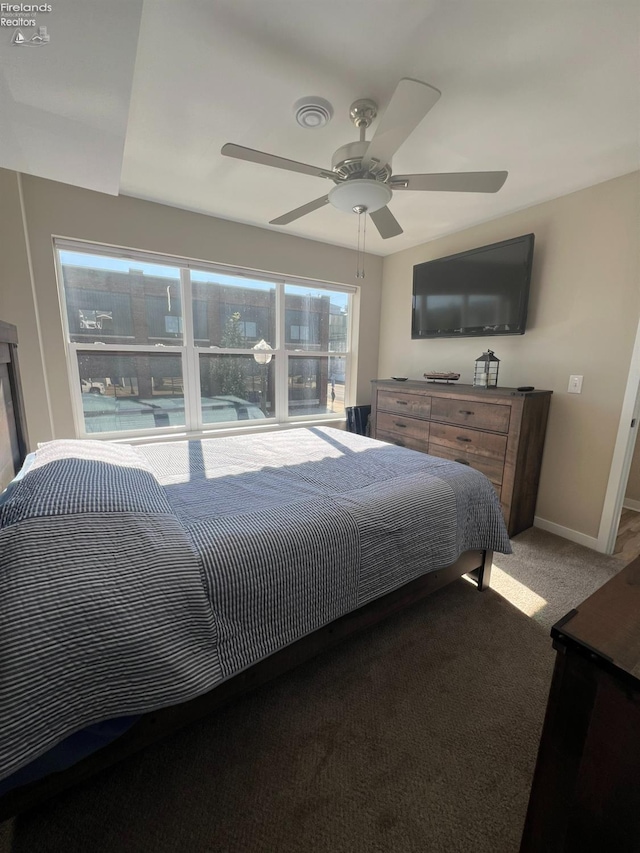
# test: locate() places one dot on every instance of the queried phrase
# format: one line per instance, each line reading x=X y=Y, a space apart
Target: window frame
x=190 y=354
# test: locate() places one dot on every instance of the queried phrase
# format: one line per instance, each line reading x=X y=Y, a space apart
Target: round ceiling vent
x=312 y=112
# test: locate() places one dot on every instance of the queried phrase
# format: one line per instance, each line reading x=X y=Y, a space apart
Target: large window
x=168 y=346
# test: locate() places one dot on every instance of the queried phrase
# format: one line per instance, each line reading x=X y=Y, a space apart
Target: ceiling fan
x=361 y=171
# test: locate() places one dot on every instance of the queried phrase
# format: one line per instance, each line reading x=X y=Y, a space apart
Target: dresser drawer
x=471 y=413
x=491 y=468
x=402 y=426
x=471 y=441
x=404 y=404
x=403 y=441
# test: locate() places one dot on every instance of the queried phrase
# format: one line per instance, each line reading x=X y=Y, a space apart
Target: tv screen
x=484 y=291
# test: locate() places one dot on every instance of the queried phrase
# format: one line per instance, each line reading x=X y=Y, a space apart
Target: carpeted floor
x=419 y=735
x=547 y=576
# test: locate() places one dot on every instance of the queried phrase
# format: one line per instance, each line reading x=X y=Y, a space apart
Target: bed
x=13 y=430
x=142 y=587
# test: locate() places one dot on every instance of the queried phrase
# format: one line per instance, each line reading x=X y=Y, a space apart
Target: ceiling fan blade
x=409 y=104
x=451 y=182
x=286 y=218
x=386 y=223
x=253 y=156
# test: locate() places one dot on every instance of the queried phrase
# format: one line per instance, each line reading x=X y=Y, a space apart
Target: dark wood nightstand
x=586 y=788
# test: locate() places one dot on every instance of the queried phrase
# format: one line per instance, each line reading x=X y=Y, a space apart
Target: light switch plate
x=575 y=384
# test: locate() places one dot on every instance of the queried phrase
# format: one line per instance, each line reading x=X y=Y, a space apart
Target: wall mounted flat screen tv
x=484 y=291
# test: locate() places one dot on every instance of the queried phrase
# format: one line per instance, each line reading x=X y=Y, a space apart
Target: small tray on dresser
x=432 y=376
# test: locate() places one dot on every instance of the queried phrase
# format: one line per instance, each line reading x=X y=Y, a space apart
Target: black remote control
x=526 y=388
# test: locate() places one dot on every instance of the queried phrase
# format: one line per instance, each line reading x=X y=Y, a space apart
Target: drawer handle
x=399 y=442
x=402 y=402
x=462 y=438
x=465 y=412
x=404 y=426
x=462 y=461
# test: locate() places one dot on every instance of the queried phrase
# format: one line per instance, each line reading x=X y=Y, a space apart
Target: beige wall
x=57 y=209
x=583 y=315
x=633 y=483
x=17 y=300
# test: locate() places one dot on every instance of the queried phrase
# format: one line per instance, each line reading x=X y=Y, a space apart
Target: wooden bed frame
x=13 y=425
x=156 y=725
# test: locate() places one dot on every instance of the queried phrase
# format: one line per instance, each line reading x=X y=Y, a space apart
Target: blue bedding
x=136 y=578
x=68 y=752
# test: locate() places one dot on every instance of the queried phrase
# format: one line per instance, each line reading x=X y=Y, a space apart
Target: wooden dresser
x=499 y=431
x=585 y=795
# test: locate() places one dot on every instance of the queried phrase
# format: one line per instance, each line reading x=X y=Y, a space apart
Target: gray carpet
x=419 y=735
x=547 y=576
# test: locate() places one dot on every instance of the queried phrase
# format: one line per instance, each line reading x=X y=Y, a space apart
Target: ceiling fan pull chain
x=364 y=242
x=359 y=250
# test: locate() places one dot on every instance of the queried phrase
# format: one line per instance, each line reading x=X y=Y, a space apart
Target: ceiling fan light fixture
x=362 y=170
x=312 y=112
x=360 y=192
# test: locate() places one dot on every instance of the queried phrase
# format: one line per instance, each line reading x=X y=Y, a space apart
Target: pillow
x=123 y=455
x=73 y=477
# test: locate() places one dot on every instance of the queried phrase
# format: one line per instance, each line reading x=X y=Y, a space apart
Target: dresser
x=499 y=431
x=585 y=795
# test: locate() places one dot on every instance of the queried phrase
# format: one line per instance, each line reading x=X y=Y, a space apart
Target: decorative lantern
x=485 y=374
x=262 y=352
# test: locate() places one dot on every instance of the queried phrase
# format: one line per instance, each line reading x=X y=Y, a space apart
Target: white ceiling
x=64 y=105
x=547 y=90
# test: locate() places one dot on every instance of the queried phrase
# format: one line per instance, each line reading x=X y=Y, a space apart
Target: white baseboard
x=567 y=533
x=628 y=503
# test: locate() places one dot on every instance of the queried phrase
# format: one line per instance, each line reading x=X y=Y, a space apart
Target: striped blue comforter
x=136 y=578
